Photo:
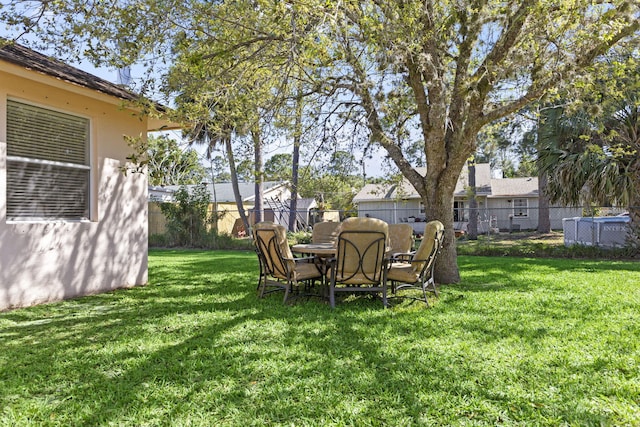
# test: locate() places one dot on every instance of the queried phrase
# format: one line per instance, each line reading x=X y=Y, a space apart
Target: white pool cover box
x=606 y=231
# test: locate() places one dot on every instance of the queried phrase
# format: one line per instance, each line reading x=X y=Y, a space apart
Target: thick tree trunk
x=439 y=187
x=446 y=270
x=544 y=220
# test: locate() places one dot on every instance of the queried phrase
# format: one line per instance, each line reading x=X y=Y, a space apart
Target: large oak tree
x=435 y=71
x=448 y=68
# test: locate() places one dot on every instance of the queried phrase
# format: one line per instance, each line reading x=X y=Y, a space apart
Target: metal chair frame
x=275 y=271
x=425 y=280
x=370 y=280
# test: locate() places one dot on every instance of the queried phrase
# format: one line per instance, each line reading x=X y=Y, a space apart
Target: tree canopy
x=169 y=164
x=413 y=73
x=594 y=158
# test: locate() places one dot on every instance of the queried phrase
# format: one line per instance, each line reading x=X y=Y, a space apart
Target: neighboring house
x=505 y=203
x=71 y=223
x=276 y=201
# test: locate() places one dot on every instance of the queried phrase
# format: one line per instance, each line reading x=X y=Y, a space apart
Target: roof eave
x=16 y=59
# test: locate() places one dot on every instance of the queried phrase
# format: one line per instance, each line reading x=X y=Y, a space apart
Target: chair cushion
x=325 y=232
x=400 y=238
x=356 y=279
x=306 y=270
x=423 y=253
x=402 y=272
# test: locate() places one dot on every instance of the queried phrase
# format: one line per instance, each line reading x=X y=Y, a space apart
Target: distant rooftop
x=224 y=190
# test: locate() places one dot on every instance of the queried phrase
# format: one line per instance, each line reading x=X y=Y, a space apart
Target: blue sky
x=373 y=166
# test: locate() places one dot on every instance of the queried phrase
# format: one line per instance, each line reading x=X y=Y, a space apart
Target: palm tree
x=213 y=135
x=587 y=162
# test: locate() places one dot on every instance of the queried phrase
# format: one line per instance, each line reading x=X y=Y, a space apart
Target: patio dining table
x=321 y=250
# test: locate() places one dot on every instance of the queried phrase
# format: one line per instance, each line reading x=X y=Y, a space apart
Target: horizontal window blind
x=520 y=207
x=47 y=164
x=45 y=191
x=45 y=134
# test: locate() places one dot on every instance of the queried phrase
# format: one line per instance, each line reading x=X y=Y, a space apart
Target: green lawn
x=520 y=341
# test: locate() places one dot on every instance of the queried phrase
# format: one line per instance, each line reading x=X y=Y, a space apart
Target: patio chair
x=415 y=271
x=359 y=265
x=279 y=270
x=325 y=232
x=400 y=238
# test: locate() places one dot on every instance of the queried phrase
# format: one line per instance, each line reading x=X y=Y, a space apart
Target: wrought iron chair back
x=279 y=270
x=271 y=252
x=360 y=256
x=359 y=265
x=424 y=260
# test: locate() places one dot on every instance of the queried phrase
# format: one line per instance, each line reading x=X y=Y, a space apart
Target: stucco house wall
x=47 y=260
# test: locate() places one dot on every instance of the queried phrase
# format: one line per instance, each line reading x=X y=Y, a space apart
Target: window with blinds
x=47 y=164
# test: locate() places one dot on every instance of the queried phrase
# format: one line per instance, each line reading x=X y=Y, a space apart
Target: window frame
x=459 y=211
x=523 y=210
x=33 y=161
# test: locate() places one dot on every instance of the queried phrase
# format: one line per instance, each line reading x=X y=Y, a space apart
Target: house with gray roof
x=503 y=203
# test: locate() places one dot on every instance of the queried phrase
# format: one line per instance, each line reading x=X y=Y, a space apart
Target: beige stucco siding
x=45 y=261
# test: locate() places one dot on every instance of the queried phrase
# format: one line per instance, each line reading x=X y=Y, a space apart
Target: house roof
x=224 y=190
x=405 y=191
x=38 y=62
x=372 y=192
x=160 y=194
x=483 y=181
x=29 y=59
x=512 y=187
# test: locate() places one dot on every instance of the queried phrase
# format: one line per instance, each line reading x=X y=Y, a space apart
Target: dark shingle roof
x=32 y=60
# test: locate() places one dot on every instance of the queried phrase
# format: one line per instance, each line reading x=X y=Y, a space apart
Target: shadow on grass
x=197 y=344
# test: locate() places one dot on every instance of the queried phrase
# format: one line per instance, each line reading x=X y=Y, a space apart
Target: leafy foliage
x=278 y=167
x=188 y=217
x=169 y=164
x=411 y=73
x=165 y=161
x=329 y=190
x=590 y=148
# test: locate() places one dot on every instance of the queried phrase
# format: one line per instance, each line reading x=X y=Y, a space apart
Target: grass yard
x=530 y=342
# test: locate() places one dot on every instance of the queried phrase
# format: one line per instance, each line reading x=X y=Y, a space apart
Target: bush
x=538 y=246
x=187 y=218
x=159 y=241
x=298 y=237
x=208 y=240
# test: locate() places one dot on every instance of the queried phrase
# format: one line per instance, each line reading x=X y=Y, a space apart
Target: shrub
x=298 y=237
x=187 y=218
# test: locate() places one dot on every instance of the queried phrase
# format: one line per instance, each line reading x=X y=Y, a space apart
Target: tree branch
x=508 y=38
